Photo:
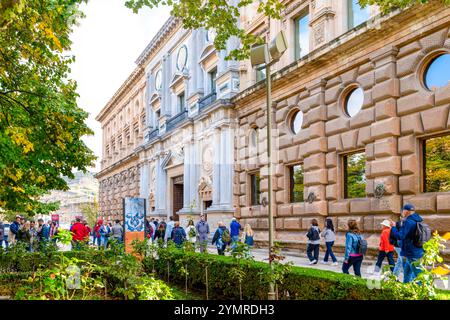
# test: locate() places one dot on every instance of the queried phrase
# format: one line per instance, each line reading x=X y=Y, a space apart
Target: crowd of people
x=405 y=237
x=26 y=231
x=199 y=233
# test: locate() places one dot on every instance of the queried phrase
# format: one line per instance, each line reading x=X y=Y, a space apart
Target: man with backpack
x=412 y=234
x=221 y=238
x=313 y=243
x=235 y=228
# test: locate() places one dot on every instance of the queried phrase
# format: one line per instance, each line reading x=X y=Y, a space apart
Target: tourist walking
x=313 y=242
x=117 y=232
x=24 y=235
x=97 y=239
x=53 y=230
x=412 y=240
x=160 y=232
x=330 y=237
x=149 y=230
x=354 y=249
x=235 y=228
x=221 y=238
x=33 y=233
x=248 y=238
x=386 y=249
x=191 y=232
x=169 y=228
x=398 y=268
x=105 y=232
x=79 y=233
x=202 y=228
x=2 y=234
x=88 y=231
x=13 y=230
x=178 y=234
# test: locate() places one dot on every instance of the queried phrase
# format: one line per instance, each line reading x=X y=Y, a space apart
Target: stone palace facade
x=361 y=122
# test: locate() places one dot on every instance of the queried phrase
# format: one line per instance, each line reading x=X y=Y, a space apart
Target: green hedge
x=300 y=283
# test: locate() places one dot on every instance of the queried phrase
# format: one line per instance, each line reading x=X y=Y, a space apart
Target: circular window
x=182 y=58
x=437 y=73
x=296 y=121
x=354 y=101
x=158 y=80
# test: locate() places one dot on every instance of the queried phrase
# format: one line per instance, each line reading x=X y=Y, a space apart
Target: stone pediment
x=155 y=97
x=172 y=159
x=177 y=78
x=206 y=52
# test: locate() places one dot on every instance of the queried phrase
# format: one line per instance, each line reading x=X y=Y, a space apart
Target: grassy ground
x=180 y=294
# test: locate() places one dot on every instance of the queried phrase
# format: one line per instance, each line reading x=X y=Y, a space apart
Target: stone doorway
x=177 y=196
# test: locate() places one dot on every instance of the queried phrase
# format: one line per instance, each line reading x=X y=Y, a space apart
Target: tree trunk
x=206 y=274
x=240 y=289
x=186 y=281
x=168 y=268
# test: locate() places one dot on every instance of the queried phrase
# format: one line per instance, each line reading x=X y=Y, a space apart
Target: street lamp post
x=260 y=55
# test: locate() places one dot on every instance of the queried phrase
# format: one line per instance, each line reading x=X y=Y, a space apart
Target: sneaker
x=335 y=263
x=324 y=262
x=313 y=262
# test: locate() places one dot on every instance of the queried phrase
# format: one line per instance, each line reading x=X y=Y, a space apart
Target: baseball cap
x=409 y=207
x=386 y=223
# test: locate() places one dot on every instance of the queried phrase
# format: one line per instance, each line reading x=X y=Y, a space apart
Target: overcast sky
x=106 y=44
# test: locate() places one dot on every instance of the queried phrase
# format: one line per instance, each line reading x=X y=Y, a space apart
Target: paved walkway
x=301 y=260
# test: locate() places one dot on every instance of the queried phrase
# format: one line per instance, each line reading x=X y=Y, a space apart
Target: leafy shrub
x=298 y=283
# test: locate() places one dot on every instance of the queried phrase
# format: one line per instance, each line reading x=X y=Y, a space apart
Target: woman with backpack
x=330 y=237
x=386 y=249
x=355 y=248
x=221 y=238
x=313 y=243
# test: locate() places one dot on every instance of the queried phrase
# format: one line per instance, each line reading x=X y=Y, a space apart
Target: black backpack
x=362 y=245
x=313 y=234
x=422 y=234
x=392 y=239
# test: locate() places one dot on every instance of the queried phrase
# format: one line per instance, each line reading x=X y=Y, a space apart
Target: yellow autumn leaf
x=18 y=189
x=441 y=271
x=446 y=236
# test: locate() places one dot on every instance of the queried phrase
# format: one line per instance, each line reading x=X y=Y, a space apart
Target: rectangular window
x=212 y=80
x=260 y=72
x=181 y=102
x=354 y=175
x=296 y=183
x=356 y=14
x=255 y=189
x=436 y=164
x=301 y=36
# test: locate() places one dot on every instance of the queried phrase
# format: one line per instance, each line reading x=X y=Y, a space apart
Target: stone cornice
x=122 y=161
x=158 y=39
x=345 y=45
x=124 y=88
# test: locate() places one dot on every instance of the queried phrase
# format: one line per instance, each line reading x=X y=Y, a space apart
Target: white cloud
x=106 y=45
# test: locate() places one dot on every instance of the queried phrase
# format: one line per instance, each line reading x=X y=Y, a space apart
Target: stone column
x=226 y=167
x=160 y=189
x=187 y=177
x=216 y=169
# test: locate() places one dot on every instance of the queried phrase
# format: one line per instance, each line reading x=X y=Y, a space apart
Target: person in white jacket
x=329 y=236
x=191 y=232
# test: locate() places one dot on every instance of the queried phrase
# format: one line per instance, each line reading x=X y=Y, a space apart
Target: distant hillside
x=83 y=188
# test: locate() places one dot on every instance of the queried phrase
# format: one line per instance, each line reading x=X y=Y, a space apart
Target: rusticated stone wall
x=397 y=114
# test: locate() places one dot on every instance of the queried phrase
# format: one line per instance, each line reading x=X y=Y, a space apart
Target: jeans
x=410 y=271
x=356 y=262
x=234 y=240
x=381 y=256
x=399 y=264
x=221 y=250
x=6 y=243
x=313 y=248
x=329 y=252
x=104 y=241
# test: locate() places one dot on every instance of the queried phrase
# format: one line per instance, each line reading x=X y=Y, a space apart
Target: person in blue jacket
x=352 y=257
x=409 y=251
x=235 y=227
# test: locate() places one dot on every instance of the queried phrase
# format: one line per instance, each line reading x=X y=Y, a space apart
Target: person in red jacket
x=78 y=232
x=87 y=231
x=96 y=237
x=386 y=248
